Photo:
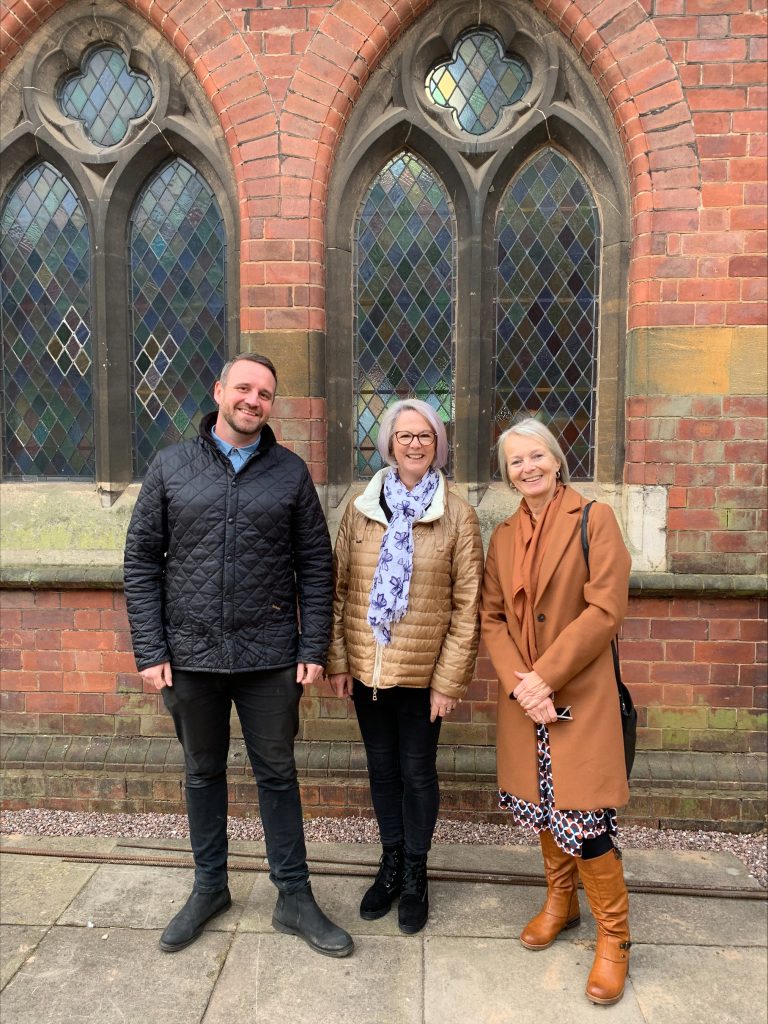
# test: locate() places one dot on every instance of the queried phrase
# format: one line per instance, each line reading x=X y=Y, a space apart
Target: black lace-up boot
x=413 y=909
x=378 y=900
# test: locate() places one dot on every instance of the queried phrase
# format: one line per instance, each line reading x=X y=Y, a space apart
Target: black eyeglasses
x=425 y=438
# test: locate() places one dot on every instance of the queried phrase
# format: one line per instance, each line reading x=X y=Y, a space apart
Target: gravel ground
x=751 y=849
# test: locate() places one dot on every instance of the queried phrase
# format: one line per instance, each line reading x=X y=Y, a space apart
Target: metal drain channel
x=365 y=869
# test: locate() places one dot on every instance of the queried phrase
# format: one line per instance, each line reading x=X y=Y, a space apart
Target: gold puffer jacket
x=435 y=643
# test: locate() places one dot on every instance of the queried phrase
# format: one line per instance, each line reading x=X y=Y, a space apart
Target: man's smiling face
x=245 y=401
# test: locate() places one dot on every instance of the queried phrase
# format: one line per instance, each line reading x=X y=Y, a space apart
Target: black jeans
x=401 y=746
x=267 y=705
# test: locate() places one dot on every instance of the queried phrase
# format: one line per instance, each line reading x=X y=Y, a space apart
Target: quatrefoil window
x=478 y=81
x=106 y=95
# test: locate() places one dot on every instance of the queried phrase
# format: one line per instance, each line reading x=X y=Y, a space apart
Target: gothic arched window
x=117 y=219
x=178 y=310
x=404 y=299
x=46 y=328
x=513 y=127
x=548 y=238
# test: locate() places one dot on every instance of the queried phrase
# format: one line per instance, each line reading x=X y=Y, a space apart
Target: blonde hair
x=532 y=428
x=387 y=429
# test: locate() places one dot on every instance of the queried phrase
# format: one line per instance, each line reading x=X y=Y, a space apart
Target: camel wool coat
x=576 y=614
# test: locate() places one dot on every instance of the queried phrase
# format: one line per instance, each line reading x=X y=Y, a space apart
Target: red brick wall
x=696 y=668
x=710 y=452
x=301 y=425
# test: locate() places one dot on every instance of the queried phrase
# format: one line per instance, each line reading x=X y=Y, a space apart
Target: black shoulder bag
x=628 y=709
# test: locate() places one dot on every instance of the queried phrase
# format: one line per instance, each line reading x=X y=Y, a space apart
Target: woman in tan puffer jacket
x=408 y=570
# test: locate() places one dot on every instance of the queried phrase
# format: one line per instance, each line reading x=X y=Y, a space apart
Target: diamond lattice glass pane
x=547 y=297
x=106 y=95
x=45 y=320
x=404 y=299
x=178 y=311
x=478 y=81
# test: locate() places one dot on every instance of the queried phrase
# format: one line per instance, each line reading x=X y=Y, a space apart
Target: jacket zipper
x=376 y=669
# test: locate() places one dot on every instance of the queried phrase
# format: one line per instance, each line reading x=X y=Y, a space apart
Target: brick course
x=687 y=661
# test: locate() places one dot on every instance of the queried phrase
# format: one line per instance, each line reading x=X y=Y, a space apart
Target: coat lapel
x=567 y=523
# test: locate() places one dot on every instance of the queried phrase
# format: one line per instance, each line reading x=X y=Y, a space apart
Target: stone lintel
x=697 y=361
x=299 y=358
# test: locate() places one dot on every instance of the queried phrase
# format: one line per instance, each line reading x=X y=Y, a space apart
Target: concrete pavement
x=78 y=944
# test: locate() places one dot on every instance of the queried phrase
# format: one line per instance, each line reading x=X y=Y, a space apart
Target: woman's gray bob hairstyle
x=532 y=428
x=389 y=422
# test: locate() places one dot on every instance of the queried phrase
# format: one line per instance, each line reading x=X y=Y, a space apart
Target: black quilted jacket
x=220 y=568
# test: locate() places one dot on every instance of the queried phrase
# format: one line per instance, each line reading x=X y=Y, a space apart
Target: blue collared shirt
x=237 y=456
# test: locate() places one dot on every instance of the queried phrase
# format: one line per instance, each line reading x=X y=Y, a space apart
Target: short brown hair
x=252 y=357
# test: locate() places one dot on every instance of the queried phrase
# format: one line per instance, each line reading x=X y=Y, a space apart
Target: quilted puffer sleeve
x=313 y=565
x=337 y=655
x=456 y=663
x=143 y=569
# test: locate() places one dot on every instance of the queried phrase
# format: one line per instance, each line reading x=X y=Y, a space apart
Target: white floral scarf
x=392 y=579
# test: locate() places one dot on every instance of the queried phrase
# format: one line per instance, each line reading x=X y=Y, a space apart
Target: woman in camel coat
x=548 y=621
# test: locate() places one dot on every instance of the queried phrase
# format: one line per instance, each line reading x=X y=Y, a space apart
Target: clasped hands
x=535 y=698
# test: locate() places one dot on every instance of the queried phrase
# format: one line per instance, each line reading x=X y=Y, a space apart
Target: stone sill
x=108 y=575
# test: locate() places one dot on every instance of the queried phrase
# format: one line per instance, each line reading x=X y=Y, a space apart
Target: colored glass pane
x=478 y=81
x=404 y=299
x=45 y=319
x=178 y=310
x=106 y=95
x=548 y=245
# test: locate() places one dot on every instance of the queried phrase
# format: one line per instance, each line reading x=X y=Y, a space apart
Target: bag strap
x=615 y=641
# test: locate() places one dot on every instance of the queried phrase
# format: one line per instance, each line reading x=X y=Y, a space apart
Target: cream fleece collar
x=368 y=501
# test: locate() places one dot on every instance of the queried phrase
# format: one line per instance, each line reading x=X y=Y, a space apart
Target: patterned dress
x=569 y=828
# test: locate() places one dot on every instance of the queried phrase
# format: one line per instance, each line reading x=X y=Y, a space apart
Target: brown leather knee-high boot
x=603 y=881
x=561 y=909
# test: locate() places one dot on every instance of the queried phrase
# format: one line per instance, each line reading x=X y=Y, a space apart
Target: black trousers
x=401 y=747
x=267 y=705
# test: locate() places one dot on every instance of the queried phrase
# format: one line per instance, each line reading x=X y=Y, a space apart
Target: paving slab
x=17 y=942
x=133 y=896
x=63 y=844
x=268 y=980
x=701 y=986
x=38 y=890
x=695 y=921
x=114 y=976
x=694 y=868
x=480 y=910
x=496 y=981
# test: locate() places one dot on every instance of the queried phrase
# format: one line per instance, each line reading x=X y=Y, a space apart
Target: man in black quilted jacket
x=228 y=580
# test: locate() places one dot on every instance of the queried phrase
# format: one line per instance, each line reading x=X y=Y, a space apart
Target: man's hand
x=341 y=684
x=158 y=675
x=307 y=673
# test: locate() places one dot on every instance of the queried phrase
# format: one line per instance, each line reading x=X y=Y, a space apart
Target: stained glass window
x=404 y=299
x=478 y=81
x=177 y=259
x=106 y=95
x=547 y=304
x=46 y=333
